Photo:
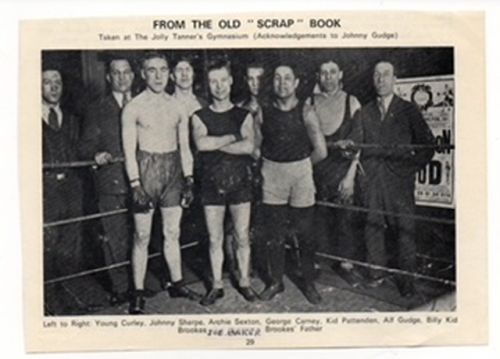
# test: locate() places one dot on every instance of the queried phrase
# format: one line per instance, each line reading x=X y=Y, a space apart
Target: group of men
x=306 y=150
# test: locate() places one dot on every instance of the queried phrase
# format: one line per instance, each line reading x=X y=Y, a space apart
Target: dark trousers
x=281 y=221
x=335 y=231
x=394 y=195
x=116 y=239
x=62 y=199
x=334 y=227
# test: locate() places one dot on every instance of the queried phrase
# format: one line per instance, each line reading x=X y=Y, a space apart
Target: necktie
x=126 y=99
x=381 y=108
x=53 y=122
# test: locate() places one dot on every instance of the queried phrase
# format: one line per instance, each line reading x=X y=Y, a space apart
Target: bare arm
x=257 y=123
x=129 y=140
x=314 y=132
x=247 y=145
x=208 y=143
x=355 y=105
x=185 y=150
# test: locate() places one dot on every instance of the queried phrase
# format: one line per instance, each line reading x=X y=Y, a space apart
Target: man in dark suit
x=389 y=183
x=101 y=141
x=62 y=190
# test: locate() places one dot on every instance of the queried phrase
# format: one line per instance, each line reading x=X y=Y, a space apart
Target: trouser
x=116 y=239
x=62 y=244
x=278 y=221
x=334 y=227
x=393 y=196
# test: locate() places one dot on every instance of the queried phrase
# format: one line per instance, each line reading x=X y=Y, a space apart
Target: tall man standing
x=62 y=189
x=101 y=140
x=224 y=135
x=291 y=143
x=390 y=172
x=335 y=175
x=159 y=165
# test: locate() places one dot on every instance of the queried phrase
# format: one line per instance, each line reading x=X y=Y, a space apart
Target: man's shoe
x=212 y=296
x=351 y=276
x=374 y=282
x=312 y=294
x=183 y=292
x=137 y=303
x=271 y=291
x=406 y=288
x=116 y=298
x=248 y=293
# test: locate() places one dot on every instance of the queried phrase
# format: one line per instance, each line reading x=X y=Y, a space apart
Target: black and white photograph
x=248 y=180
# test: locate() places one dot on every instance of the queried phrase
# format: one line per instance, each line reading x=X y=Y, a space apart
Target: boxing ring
x=444 y=286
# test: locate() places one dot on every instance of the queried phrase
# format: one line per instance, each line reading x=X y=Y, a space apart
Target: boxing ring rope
x=360 y=146
x=79 y=164
x=88 y=217
x=196 y=243
x=109 y=267
x=386 y=269
x=387 y=213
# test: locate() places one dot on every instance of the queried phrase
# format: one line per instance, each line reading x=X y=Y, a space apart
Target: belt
x=58 y=176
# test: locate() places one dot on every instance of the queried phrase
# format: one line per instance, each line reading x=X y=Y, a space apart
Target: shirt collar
x=386 y=101
x=119 y=96
x=46 y=110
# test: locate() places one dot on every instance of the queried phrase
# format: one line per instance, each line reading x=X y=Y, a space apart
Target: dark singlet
x=343 y=130
x=284 y=135
x=329 y=172
x=226 y=171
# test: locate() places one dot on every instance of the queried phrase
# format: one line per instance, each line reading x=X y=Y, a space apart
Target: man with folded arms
x=224 y=136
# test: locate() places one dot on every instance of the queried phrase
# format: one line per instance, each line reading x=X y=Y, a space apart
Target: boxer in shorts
x=159 y=164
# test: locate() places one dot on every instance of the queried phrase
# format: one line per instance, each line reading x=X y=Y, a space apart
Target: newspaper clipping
x=255 y=180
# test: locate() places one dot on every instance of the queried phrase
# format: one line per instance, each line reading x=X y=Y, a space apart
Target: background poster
x=434 y=95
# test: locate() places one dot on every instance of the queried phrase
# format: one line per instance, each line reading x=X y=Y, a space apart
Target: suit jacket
x=60 y=145
x=101 y=132
x=61 y=198
x=403 y=124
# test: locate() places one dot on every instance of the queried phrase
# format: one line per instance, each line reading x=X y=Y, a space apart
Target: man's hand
x=142 y=201
x=256 y=154
x=346 y=148
x=346 y=189
x=343 y=144
x=187 y=195
x=103 y=158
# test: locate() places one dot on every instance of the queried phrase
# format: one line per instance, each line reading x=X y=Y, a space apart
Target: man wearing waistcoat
x=101 y=141
x=62 y=190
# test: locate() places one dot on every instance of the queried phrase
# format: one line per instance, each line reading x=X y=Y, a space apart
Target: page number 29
x=250 y=342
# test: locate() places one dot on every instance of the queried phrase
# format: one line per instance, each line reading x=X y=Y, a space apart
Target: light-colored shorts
x=288 y=183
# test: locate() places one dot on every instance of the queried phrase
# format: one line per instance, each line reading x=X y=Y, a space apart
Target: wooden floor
x=89 y=298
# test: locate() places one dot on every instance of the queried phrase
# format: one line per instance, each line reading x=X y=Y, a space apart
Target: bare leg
x=140 y=247
x=215 y=224
x=240 y=214
x=171 y=220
